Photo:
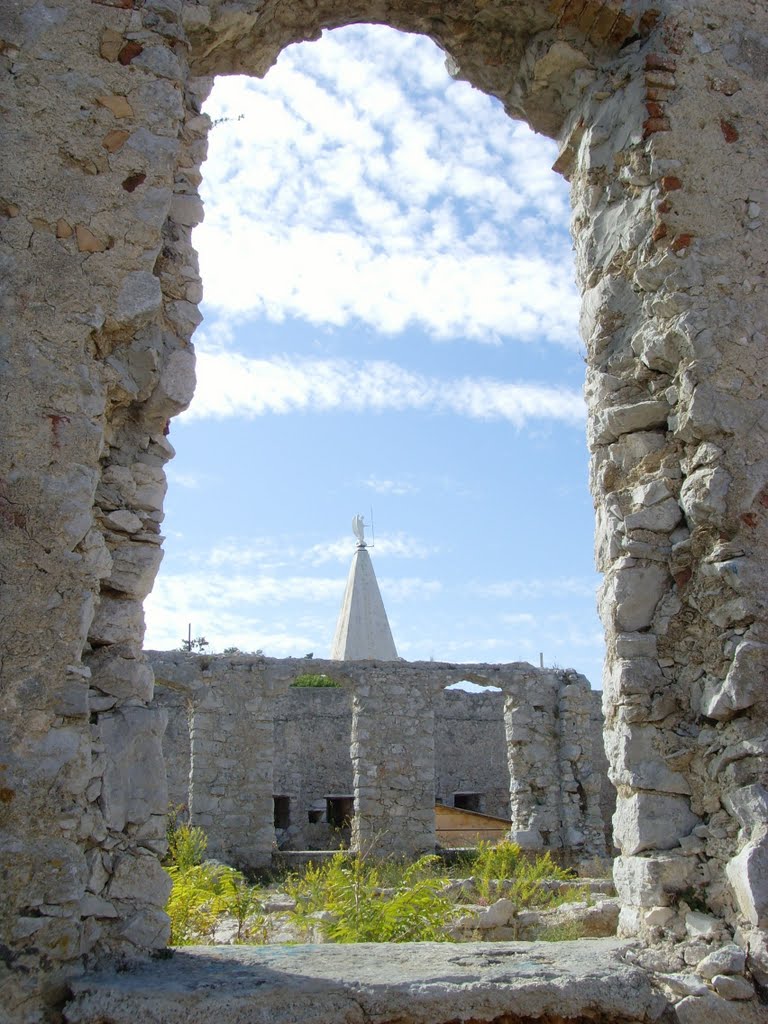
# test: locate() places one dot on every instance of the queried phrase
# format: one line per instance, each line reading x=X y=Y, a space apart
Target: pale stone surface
x=733 y=988
x=362 y=631
x=658 y=111
x=748 y=875
x=729 y=959
x=423 y=983
x=711 y=1007
x=548 y=747
x=651 y=821
x=652 y=881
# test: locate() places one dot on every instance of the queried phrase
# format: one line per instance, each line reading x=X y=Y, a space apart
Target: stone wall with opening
x=659 y=112
x=311 y=748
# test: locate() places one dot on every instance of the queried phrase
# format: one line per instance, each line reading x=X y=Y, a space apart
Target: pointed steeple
x=362 y=631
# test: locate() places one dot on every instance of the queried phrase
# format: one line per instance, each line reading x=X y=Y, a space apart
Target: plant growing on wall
x=310 y=679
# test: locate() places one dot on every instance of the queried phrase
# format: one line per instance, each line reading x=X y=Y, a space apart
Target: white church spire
x=362 y=631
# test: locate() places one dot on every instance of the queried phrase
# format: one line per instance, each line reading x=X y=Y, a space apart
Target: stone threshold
x=409 y=983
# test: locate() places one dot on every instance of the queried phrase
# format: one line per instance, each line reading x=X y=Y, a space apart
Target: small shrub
x=186 y=846
x=350 y=889
x=562 y=932
x=314 y=680
x=203 y=892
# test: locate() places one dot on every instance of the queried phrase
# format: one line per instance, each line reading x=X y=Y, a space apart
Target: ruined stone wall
x=313 y=731
x=312 y=736
x=659 y=109
x=471 y=749
x=376 y=737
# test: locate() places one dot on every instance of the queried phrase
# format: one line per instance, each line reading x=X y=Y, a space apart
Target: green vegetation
x=505 y=870
x=310 y=679
x=204 y=892
x=563 y=932
x=353 y=898
x=350 y=890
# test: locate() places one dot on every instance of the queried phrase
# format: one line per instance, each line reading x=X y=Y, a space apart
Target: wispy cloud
x=230 y=384
x=395 y=545
x=335 y=197
x=395 y=487
x=266 y=554
x=536 y=588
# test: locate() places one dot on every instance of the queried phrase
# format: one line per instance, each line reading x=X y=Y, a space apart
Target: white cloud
x=536 y=588
x=398 y=545
x=191 y=481
x=341 y=197
x=230 y=384
x=396 y=487
x=269 y=554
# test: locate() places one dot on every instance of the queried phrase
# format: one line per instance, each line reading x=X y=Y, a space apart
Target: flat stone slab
x=408 y=983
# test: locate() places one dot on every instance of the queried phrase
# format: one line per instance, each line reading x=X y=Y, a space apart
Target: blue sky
x=390 y=321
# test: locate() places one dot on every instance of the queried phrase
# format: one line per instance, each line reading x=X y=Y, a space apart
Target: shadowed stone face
x=658 y=112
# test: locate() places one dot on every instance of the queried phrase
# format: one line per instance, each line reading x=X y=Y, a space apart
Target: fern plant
x=349 y=888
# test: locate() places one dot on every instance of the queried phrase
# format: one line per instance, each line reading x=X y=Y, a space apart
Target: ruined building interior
x=658 y=109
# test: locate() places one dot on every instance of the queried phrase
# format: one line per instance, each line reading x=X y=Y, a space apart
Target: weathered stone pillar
x=231 y=793
x=530 y=720
x=666 y=162
x=581 y=820
x=393 y=757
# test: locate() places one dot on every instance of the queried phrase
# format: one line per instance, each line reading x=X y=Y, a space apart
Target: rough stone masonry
x=658 y=107
x=226 y=745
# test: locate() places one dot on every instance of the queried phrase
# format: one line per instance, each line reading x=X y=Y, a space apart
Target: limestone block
x=125 y=520
x=149 y=928
x=710 y=1008
x=95 y=554
x=139 y=298
x=648 y=821
x=634 y=752
x=629 y=596
x=733 y=988
x=187 y=209
x=56 y=937
x=139 y=879
x=120 y=669
x=628 y=676
x=703 y=496
x=72 y=490
x=94 y=906
x=662 y=517
x=750 y=805
x=134 y=567
x=116 y=621
x=636 y=645
x=701 y=926
x=626 y=419
x=150 y=486
x=743 y=685
x=134 y=785
x=62 y=756
x=177 y=383
x=659 y=349
x=748 y=875
x=658 y=917
x=528 y=838
x=683 y=984
x=52 y=871
x=728 y=959
x=652 y=881
x=629 y=923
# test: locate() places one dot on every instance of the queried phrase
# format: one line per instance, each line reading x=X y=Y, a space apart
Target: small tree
x=192 y=645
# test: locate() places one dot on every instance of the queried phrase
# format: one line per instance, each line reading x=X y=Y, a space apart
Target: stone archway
x=657 y=112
